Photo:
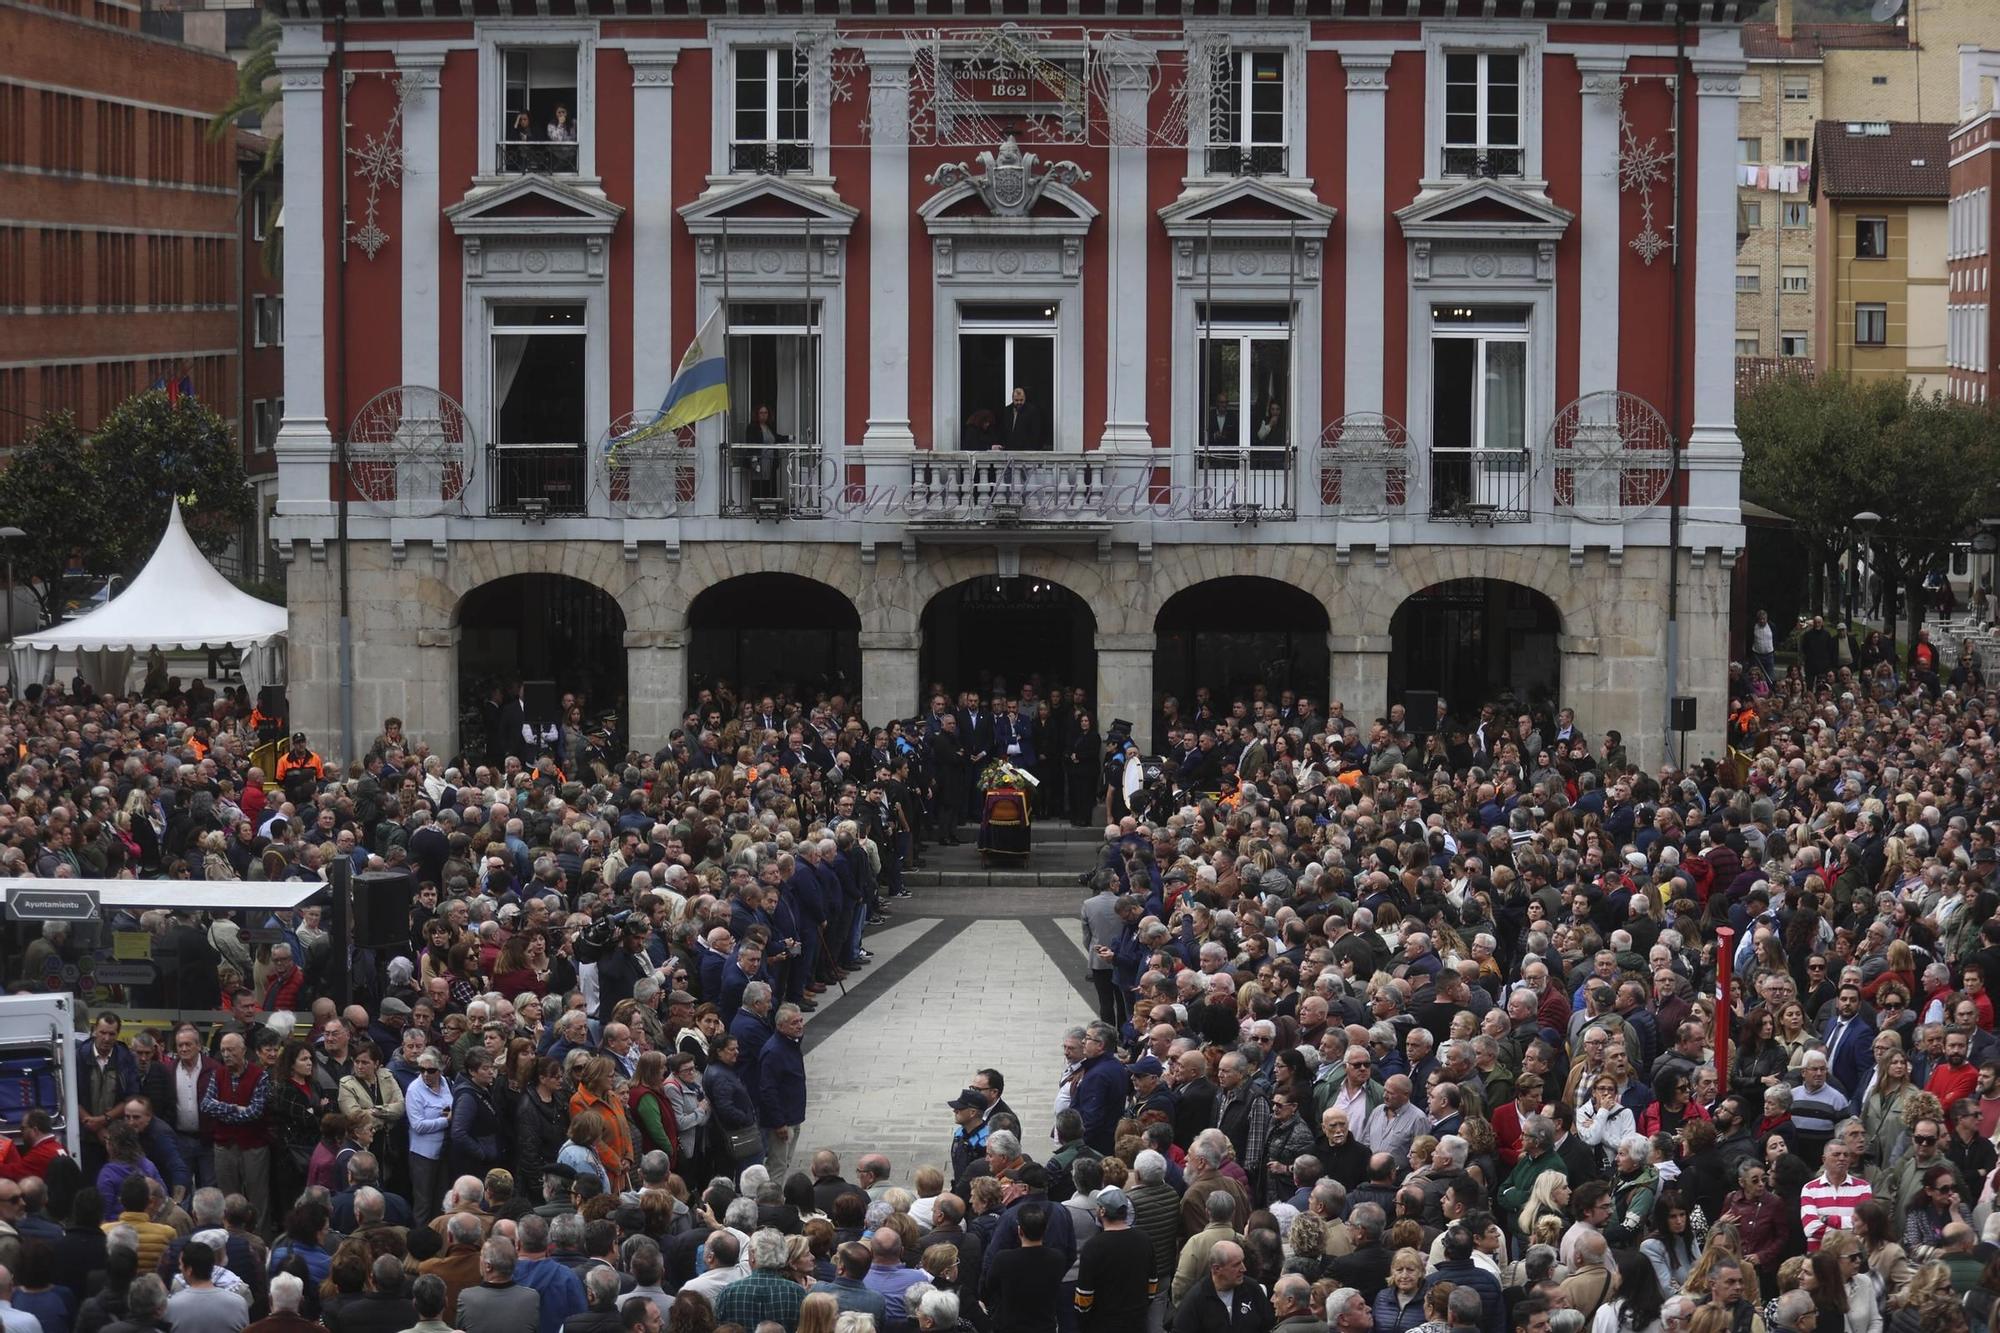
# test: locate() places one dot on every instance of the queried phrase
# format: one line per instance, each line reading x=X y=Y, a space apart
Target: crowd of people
x=1405 y=1026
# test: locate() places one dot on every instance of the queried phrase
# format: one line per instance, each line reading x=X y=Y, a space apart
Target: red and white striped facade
x=1362 y=227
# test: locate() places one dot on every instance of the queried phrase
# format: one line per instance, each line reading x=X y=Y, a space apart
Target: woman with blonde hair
x=1399 y=1307
x=1549 y=1197
x=1840 y=1263
x=1723 y=1242
x=818 y=1312
x=1928 y=1287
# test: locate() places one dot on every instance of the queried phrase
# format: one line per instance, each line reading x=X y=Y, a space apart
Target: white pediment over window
x=768 y=206
x=1248 y=206
x=1483 y=210
x=534 y=206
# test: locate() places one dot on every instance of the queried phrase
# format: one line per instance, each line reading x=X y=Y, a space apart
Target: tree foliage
x=97 y=505
x=257 y=96
x=1820 y=450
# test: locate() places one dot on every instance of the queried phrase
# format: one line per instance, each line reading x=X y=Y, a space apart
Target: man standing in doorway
x=1022 y=424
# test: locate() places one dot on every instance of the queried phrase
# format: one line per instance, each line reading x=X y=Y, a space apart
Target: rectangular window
x=1479 y=397
x=1748 y=280
x=1871 y=238
x=538 y=110
x=540 y=434
x=1749 y=214
x=1792 y=343
x=1003 y=347
x=1247 y=122
x=1871 y=324
x=1749 y=149
x=1746 y=343
x=1798 y=151
x=1482 y=114
x=1795 y=280
x=1246 y=372
x=270 y=317
x=1797 y=88
x=1794 y=214
x=13 y=267
x=264 y=425
x=770 y=131
x=260 y=214
x=774 y=365
x=1751 y=87
x=62 y=131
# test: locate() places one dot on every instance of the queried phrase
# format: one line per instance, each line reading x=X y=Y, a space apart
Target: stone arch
x=1174 y=570
x=551 y=634
x=1237 y=632
x=984 y=626
x=773 y=630
x=1476 y=641
x=1545 y=569
x=919 y=583
x=473 y=565
x=710 y=564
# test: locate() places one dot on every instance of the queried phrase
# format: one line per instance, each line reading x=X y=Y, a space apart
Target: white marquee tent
x=178 y=602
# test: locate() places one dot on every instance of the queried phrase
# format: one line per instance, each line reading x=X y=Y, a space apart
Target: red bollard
x=1725 y=968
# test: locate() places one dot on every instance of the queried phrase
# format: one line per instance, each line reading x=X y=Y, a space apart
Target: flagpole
x=807 y=435
x=728 y=459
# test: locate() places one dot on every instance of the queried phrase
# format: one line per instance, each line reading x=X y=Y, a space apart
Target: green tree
x=257 y=96
x=97 y=505
x=50 y=491
x=1821 y=449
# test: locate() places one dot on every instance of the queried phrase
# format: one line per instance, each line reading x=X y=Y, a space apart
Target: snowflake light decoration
x=378 y=163
x=1641 y=166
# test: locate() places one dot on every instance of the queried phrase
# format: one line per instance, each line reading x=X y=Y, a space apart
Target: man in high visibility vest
x=300 y=771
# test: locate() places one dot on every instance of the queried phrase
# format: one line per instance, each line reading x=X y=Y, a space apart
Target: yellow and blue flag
x=700 y=388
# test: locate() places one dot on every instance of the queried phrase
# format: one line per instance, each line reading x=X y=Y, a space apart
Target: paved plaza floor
x=963 y=979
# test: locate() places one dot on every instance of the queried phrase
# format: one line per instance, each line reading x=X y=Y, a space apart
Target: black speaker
x=1680 y=713
x=382 y=900
x=1420 y=710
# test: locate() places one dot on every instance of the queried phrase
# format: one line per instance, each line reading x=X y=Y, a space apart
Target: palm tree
x=257 y=96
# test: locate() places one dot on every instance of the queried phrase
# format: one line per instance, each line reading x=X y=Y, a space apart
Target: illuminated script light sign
x=1043 y=99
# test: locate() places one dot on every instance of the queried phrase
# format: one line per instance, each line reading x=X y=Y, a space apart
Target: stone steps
x=1012 y=877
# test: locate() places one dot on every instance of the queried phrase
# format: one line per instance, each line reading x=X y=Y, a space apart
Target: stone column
x=1367 y=226
x=1714 y=456
x=1130 y=77
x=889 y=253
x=417 y=77
x=431 y=702
x=1125 y=683
x=888 y=674
x=303 y=445
x=1359 y=667
x=1602 y=244
x=652 y=228
x=656 y=684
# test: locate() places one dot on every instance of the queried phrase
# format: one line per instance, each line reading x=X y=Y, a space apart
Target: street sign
x=51 y=905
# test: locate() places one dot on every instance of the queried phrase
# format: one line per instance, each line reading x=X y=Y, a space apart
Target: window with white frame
x=1792 y=342
x=1871 y=324
x=774 y=363
x=1749 y=214
x=1798 y=151
x=1246 y=379
x=1795 y=279
x=536 y=375
x=1482 y=114
x=1797 y=88
x=260 y=213
x=1247 y=131
x=1748 y=280
x=1746 y=342
x=1751 y=87
x=1479 y=407
x=540 y=119
x=770 y=127
x=265 y=415
x=1749 y=148
x=268 y=314
x=1794 y=214
x=1871 y=238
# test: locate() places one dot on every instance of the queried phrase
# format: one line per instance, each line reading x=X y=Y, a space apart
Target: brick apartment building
x=1969 y=256
x=120 y=260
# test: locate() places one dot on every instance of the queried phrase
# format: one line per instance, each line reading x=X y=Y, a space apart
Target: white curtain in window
x=1505 y=426
x=508 y=351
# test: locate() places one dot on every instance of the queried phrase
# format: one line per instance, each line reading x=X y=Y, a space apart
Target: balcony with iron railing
x=537 y=158
x=1251 y=160
x=537 y=480
x=770 y=159
x=1242 y=483
x=777 y=481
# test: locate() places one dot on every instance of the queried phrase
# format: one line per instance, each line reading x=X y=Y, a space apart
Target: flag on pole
x=700 y=388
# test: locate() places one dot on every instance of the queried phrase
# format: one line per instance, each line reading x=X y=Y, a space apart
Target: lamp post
x=8 y=536
x=1865 y=522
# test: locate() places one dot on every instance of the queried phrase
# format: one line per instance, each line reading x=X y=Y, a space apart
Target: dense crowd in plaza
x=1405 y=1026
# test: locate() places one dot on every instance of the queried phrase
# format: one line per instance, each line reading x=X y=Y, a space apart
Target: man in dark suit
x=1022 y=425
x=1196 y=1091
x=1849 y=1038
x=948 y=763
x=1013 y=735
x=975 y=730
x=513 y=740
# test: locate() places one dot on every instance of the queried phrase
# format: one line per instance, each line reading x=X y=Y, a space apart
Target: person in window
x=762 y=464
x=524 y=128
x=1270 y=435
x=1222 y=423
x=562 y=129
x=1022 y=424
x=980 y=432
